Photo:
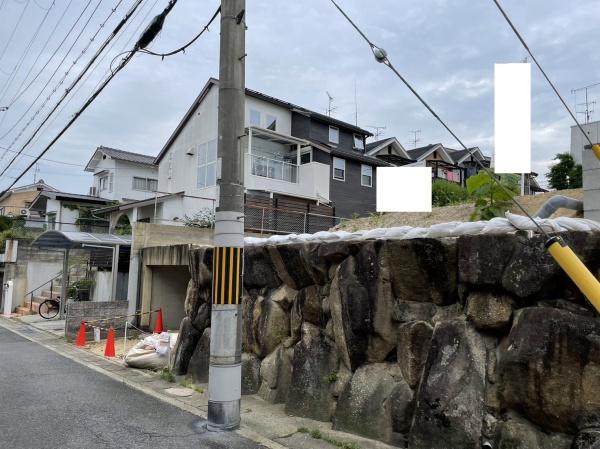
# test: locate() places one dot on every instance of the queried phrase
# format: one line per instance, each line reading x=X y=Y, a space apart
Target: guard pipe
x=575 y=269
x=555 y=203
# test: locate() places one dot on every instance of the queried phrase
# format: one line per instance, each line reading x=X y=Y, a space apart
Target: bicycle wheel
x=49 y=309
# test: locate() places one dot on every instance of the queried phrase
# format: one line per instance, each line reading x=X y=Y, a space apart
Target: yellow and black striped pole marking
x=227 y=275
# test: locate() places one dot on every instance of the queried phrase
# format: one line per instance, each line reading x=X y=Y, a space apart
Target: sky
x=297 y=51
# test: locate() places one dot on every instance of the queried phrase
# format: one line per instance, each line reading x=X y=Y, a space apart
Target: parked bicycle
x=51 y=307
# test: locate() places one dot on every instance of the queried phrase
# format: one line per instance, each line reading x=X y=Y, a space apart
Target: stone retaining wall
x=422 y=343
x=78 y=311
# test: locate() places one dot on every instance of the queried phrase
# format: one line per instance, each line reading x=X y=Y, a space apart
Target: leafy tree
x=444 y=193
x=491 y=199
x=565 y=174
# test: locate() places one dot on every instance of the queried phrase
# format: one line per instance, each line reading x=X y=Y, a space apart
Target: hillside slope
x=459 y=212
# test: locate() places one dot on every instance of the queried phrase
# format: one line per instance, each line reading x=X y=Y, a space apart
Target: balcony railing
x=274 y=169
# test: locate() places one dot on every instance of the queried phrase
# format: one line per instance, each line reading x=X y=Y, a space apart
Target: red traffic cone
x=80 y=341
x=158 y=325
x=109 y=351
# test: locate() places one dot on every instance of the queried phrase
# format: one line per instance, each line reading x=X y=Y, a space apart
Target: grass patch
x=167 y=375
x=332 y=377
x=187 y=383
x=317 y=435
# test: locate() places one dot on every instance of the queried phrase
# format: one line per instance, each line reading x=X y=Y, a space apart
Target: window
x=366 y=175
x=103 y=183
x=52 y=220
x=305 y=158
x=359 y=142
x=334 y=134
x=207 y=164
x=254 y=118
x=271 y=122
x=145 y=184
x=111 y=181
x=339 y=169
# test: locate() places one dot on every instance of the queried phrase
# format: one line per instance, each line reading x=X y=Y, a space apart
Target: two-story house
x=122 y=175
x=301 y=168
x=16 y=202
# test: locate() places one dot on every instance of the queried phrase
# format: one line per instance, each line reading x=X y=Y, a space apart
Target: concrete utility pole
x=225 y=371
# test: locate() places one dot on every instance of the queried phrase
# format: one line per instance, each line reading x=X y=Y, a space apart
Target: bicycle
x=49 y=308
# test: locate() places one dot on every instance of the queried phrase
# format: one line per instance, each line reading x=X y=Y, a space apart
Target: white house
x=122 y=175
x=579 y=141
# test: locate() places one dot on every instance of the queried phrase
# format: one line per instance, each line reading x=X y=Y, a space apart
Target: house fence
x=283 y=221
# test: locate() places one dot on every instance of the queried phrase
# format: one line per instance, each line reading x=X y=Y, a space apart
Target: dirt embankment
x=458 y=212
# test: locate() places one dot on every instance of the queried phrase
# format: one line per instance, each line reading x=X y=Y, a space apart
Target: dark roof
x=39 y=202
x=416 y=153
x=350 y=154
x=122 y=155
x=457 y=155
x=372 y=145
x=252 y=93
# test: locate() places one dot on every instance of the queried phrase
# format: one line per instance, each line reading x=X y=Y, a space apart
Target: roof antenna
x=379 y=131
x=416 y=139
x=330 y=107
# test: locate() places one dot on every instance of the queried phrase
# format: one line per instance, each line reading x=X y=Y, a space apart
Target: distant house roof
x=421 y=153
x=459 y=156
x=373 y=148
x=349 y=154
x=39 y=203
x=252 y=93
x=39 y=186
x=121 y=155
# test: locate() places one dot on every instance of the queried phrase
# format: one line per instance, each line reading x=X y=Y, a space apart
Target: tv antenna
x=416 y=139
x=330 y=107
x=379 y=130
x=588 y=105
x=36 y=170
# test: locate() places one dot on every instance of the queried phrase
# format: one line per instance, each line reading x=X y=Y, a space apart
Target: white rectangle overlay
x=403 y=189
x=512 y=118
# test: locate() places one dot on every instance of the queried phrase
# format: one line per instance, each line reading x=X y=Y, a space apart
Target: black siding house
x=349 y=196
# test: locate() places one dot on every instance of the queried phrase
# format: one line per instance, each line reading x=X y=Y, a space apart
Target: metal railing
x=281 y=221
x=273 y=169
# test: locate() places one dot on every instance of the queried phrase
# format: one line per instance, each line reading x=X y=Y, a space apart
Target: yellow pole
x=575 y=269
x=596 y=150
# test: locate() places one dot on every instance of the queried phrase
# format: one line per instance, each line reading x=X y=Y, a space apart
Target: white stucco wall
x=578 y=141
x=123 y=173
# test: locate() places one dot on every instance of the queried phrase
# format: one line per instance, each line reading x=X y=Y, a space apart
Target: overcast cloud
x=298 y=50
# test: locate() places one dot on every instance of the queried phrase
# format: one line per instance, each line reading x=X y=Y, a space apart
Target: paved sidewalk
x=262 y=422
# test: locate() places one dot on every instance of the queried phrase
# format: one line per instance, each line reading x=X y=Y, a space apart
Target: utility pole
x=225 y=370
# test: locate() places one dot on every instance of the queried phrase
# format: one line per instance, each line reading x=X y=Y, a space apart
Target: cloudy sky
x=297 y=51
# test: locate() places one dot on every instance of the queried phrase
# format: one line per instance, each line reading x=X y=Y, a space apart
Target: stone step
x=21 y=311
x=46 y=293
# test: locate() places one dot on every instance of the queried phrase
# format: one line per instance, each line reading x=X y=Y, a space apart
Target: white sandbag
x=374 y=233
x=469 y=228
x=397 y=232
x=577 y=224
x=415 y=233
x=144 y=356
x=524 y=223
x=254 y=241
x=498 y=225
x=442 y=229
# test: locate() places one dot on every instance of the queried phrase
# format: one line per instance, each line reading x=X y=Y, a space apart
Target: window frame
x=254 y=111
x=362 y=167
x=273 y=119
x=333 y=169
x=146 y=182
x=103 y=183
x=337 y=130
x=362 y=142
x=203 y=151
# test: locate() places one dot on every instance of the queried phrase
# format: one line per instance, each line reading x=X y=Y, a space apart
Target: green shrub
x=492 y=199
x=444 y=193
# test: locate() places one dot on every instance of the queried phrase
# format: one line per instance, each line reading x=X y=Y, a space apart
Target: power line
x=21 y=59
x=145 y=39
x=183 y=48
x=542 y=70
x=38 y=57
x=381 y=57
x=127 y=44
x=84 y=70
x=12 y=33
x=51 y=76
x=44 y=159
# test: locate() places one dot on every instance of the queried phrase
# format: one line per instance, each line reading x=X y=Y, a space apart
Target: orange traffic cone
x=109 y=351
x=158 y=325
x=80 y=341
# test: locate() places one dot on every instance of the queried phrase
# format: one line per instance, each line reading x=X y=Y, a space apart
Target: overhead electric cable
x=83 y=71
x=381 y=57
x=52 y=55
x=16 y=68
x=48 y=82
x=12 y=33
x=182 y=49
x=145 y=39
x=46 y=159
x=542 y=70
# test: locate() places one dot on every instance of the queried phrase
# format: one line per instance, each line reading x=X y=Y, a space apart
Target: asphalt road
x=50 y=402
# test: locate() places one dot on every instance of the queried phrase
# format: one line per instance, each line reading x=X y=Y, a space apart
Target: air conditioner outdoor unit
x=24 y=212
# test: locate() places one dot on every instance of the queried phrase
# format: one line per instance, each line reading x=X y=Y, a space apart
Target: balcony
x=273 y=169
